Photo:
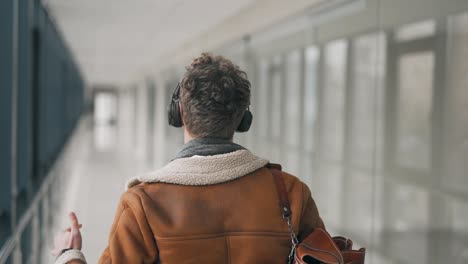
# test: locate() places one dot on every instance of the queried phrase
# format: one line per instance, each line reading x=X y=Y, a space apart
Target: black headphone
x=173 y=109
x=175 y=119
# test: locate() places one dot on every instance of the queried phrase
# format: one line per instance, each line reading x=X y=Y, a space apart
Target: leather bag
x=318 y=247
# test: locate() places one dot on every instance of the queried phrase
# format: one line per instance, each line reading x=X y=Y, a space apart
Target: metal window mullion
x=438 y=99
x=269 y=95
x=437 y=205
x=390 y=95
x=379 y=115
x=151 y=97
x=318 y=102
x=417 y=45
x=282 y=106
x=254 y=101
x=249 y=68
x=348 y=121
x=302 y=74
x=318 y=146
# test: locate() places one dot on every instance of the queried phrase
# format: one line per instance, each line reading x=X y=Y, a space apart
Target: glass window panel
x=329 y=195
x=309 y=174
x=105 y=108
x=260 y=110
x=312 y=55
x=378 y=199
x=415 y=31
x=291 y=160
x=333 y=99
x=406 y=225
x=459 y=216
x=169 y=91
x=293 y=97
x=276 y=86
x=456 y=118
x=367 y=105
x=373 y=256
x=414 y=110
x=105 y=114
x=459 y=227
x=359 y=205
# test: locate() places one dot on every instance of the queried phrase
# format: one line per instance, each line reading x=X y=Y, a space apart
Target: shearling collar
x=207 y=147
x=203 y=170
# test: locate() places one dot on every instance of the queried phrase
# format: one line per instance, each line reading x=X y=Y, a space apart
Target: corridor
x=366 y=101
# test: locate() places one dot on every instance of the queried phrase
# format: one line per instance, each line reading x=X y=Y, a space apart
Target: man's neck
x=188 y=136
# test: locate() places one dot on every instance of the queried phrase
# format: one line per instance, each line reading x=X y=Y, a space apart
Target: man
x=216 y=202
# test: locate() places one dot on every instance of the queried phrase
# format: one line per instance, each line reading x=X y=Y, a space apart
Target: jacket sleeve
x=131 y=239
x=310 y=218
x=72 y=256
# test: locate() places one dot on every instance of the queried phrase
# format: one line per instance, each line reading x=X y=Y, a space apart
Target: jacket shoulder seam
x=125 y=207
x=138 y=196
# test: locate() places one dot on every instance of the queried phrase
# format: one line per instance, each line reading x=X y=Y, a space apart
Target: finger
x=74 y=228
x=74 y=220
x=69 y=228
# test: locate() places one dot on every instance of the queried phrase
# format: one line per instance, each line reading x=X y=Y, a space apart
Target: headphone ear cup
x=246 y=121
x=173 y=114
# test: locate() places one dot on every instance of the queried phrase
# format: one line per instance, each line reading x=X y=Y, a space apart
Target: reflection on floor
x=99 y=170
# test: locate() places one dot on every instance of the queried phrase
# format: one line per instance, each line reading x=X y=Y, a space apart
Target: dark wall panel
x=48 y=102
x=24 y=97
x=6 y=26
x=59 y=95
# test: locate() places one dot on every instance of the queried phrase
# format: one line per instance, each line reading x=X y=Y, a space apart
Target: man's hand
x=68 y=238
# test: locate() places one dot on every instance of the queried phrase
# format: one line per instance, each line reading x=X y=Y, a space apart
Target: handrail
x=6 y=250
x=13 y=241
x=27 y=219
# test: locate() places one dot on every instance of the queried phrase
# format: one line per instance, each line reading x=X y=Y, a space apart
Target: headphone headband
x=176 y=94
x=175 y=119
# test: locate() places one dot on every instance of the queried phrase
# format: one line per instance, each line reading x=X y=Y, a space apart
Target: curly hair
x=214 y=95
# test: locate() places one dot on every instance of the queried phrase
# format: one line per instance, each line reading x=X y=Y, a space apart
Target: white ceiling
x=114 y=39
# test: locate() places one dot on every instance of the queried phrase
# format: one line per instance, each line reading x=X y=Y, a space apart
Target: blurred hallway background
x=365 y=100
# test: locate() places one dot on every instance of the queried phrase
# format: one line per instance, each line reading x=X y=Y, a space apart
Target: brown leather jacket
x=232 y=221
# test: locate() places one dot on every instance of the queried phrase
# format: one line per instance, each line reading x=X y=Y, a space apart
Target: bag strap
x=319 y=244
x=281 y=189
x=284 y=206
